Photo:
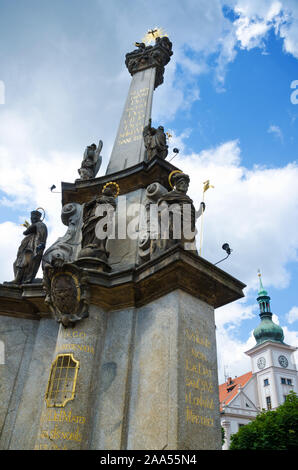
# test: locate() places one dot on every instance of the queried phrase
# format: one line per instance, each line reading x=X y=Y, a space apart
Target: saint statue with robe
x=30 y=252
x=155 y=141
x=177 y=216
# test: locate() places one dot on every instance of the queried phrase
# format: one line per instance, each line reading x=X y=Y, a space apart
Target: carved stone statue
x=30 y=251
x=65 y=249
x=99 y=210
x=145 y=57
x=177 y=216
x=147 y=238
x=155 y=142
x=91 y=162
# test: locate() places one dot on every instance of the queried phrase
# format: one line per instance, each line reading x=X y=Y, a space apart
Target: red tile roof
x=229 y=389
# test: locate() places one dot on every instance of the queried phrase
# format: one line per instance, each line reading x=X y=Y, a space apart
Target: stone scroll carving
x=145 y=57
x=65 y=249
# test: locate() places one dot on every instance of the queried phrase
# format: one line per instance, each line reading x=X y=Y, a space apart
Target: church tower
x=272 y=360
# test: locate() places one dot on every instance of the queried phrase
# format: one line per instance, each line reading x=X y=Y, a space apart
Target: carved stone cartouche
x=67 y=293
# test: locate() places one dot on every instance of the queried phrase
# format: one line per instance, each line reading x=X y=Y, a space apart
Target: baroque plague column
x=133 y=364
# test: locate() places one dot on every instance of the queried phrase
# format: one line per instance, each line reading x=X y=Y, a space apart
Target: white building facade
x=273 y=375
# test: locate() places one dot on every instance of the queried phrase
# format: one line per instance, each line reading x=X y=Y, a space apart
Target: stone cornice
x=130 y=179
x=175 y=269
x=269 y=344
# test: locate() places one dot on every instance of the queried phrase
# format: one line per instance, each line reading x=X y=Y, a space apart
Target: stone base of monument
x=146 y=357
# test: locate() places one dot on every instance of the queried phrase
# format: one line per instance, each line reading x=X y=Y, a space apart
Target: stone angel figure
x=91 y=161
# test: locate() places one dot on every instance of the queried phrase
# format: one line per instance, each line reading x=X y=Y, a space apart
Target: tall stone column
x=146 y=65
x=129 y=147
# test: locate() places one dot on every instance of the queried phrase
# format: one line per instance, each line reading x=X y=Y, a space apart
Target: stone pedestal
x=147 y=375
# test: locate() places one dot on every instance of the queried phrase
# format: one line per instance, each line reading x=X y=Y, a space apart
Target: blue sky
x=225 y=99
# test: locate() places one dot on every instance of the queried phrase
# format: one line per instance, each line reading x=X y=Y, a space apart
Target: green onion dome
x=267 y=330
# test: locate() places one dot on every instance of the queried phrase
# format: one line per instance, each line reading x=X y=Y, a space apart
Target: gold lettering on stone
x=201 y=401
x=62 y=416
x=74 y=334
x=199 y=386
x=195 y=337
x=198 y=419
x=135 y=112
x=55 y=434
x=77 y=347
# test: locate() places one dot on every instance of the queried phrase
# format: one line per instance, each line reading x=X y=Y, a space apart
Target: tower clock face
x=261 y=362
x=283 y=361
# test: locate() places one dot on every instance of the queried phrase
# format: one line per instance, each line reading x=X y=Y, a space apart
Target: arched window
x=62 y=381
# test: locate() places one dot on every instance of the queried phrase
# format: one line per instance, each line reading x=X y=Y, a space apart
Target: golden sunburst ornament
x=112 y=183
x=152 y=34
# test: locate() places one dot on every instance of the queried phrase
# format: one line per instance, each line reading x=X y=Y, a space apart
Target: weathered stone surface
x=68 y=427
x=123 y=251
x=112 y=394
x=198 y=402
x=18 y=337
x=153 y=393
x=31 y=397
x=174 y=391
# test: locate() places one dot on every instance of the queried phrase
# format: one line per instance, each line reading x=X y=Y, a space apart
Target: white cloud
x=276 y=130
x=292 y=315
